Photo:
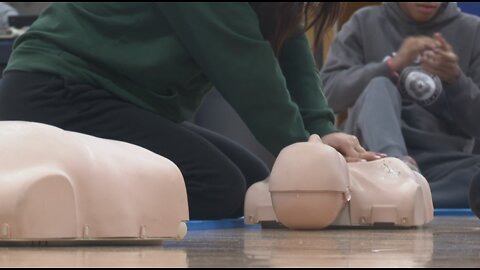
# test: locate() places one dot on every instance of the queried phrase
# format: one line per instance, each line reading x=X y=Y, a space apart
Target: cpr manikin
x=311 y=187
x=57 y=185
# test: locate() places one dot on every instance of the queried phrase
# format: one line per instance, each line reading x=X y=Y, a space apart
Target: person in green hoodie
x=409 y=76
x=135 y=72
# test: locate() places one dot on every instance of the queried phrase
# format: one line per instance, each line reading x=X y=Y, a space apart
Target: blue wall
x=470 y=7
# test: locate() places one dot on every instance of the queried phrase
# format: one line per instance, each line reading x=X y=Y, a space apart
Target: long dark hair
x=280 y=20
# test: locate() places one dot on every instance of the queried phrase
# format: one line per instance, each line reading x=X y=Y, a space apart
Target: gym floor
x=449 y=241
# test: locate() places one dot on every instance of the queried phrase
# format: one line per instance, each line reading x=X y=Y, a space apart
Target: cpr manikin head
x=298 y=194
x=311 y=186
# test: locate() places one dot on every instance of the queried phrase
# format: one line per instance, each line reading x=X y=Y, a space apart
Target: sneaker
x=411 y=163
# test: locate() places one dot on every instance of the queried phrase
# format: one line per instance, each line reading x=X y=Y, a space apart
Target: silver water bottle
x=421 y=86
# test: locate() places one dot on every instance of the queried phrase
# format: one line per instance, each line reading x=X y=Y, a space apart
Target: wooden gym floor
x=446 y=242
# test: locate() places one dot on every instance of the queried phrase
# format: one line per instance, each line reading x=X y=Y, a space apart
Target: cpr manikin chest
x=59 y=186
x=311 y=187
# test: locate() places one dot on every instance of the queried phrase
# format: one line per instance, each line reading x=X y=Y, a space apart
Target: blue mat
x=453 y=212
x=195 y=225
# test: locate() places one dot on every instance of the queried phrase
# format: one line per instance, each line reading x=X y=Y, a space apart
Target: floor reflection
x=341 y=248
x=446 y=242
x=92 y=257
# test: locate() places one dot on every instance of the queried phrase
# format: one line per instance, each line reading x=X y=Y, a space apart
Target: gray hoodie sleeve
x=463 y=97
x=345 y=74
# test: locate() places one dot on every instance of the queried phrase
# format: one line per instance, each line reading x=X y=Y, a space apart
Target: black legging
x=217 y=171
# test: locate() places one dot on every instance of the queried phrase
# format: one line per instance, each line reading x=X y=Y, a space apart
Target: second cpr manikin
x=312 y=186
x=60 y=186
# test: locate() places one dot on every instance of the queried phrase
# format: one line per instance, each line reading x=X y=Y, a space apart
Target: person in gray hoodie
x=408 y=74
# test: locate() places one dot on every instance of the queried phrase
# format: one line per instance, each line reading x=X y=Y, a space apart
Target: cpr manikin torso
x=58 y=185
x=311 y=187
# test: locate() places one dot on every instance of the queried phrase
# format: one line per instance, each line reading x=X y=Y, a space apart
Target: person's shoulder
x=466 y=25
x=226 y=10
x=469 y=19
x=206 y=5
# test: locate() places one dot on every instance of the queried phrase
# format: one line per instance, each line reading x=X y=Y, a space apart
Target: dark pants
x=217 y=171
